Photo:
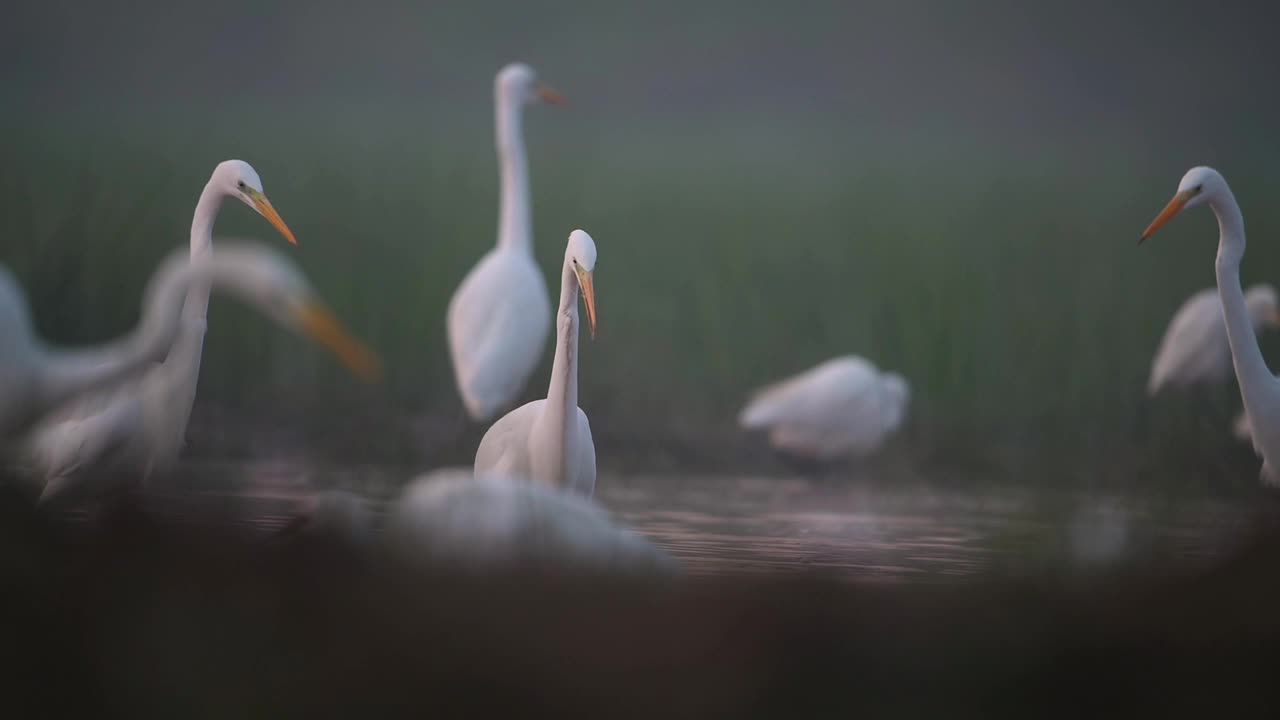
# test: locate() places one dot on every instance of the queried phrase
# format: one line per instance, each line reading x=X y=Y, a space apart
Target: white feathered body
x=844 y=406
x=481 y=522
x=1194 y=348
x=498 y=322
x=506 y=450
x=133 y=430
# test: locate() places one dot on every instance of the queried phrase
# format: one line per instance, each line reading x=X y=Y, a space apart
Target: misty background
x=953 y=190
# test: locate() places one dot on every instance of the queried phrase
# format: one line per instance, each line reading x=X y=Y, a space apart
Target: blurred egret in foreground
x=148 y=419
x=1258 y=387
x=499 y=316
x=549 y=441
x=844 y=406
x=35 y=378
x=1195 y=348
x=479 y=523
x=133 y=421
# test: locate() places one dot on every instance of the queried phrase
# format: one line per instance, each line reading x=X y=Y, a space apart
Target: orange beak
x=1175 y=205
x=548 y=95
x=319 y=323
x=265 y=208
x=588 y=298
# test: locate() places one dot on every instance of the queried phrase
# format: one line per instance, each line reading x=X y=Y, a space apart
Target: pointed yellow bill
x=319 y=323
x=1175 y=205
x=548 y=94
x=268 y=211
x=588 y=297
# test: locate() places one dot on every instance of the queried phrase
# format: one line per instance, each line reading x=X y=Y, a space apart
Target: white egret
x=1259 y=389
x=35 y=378
x=1195 y=349
x=844 y=406
x=166 y=393
x=257 y=275
x=490 y=522
x=549 y=441
x=499 y=316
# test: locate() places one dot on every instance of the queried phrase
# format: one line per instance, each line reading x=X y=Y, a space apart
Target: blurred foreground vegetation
x=1005 y=285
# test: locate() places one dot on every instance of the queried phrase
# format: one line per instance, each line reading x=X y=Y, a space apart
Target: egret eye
x=1197 y=188
x=240 y=184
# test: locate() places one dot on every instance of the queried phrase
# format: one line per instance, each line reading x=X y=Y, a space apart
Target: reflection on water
x=721 y=525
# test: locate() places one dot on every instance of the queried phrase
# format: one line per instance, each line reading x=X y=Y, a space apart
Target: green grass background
x=1006 y=285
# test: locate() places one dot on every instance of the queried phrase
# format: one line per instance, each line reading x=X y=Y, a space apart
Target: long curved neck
x=1251 y=369
x=197 y=305
x=514 y=231
x=182 y=366
x=556 y=426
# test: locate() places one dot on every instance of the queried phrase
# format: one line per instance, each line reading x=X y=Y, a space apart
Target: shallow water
x=754 y=525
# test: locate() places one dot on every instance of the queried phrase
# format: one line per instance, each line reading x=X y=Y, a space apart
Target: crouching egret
x=1195 y=348
x=549 y=441
x=844 y=406
x=1259 y=389
x=450 y=518
x=499 y=316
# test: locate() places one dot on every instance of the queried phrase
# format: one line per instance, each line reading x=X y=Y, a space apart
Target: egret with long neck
x=165 y=394
x=36 y=379
x=549 y=441
x=1258 y=387
x=230 y=179
x=499 y=316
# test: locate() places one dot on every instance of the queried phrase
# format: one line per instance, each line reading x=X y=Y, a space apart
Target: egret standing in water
x=35 y=379
x=844 y=406
x=1195 y=348
x=549 y=441
x=1259 y=389
x=145 y=423
x=499 y=316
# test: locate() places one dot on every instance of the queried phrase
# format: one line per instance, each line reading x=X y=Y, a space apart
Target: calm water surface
x=745 y=525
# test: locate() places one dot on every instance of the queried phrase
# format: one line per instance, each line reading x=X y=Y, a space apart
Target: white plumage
x=549 y=441
x=1259 y=389
x=844 y=406
x=141 y=425
x=498 y=321
x=499 y=316
x=116 y=430
x=489 y=522
x=1194 y=348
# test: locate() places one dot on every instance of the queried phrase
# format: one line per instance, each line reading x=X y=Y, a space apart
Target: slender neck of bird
x=183 y=361
x=557 y=424
x=1251 y=368
x=207 y=209
x=514 y=231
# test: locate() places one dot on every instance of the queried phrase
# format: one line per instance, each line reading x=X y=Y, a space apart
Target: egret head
x=238 y=179
x=519 y=81
x=1264 y=309
x=581 y=256
x=274 y=284
x=1200 y=185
